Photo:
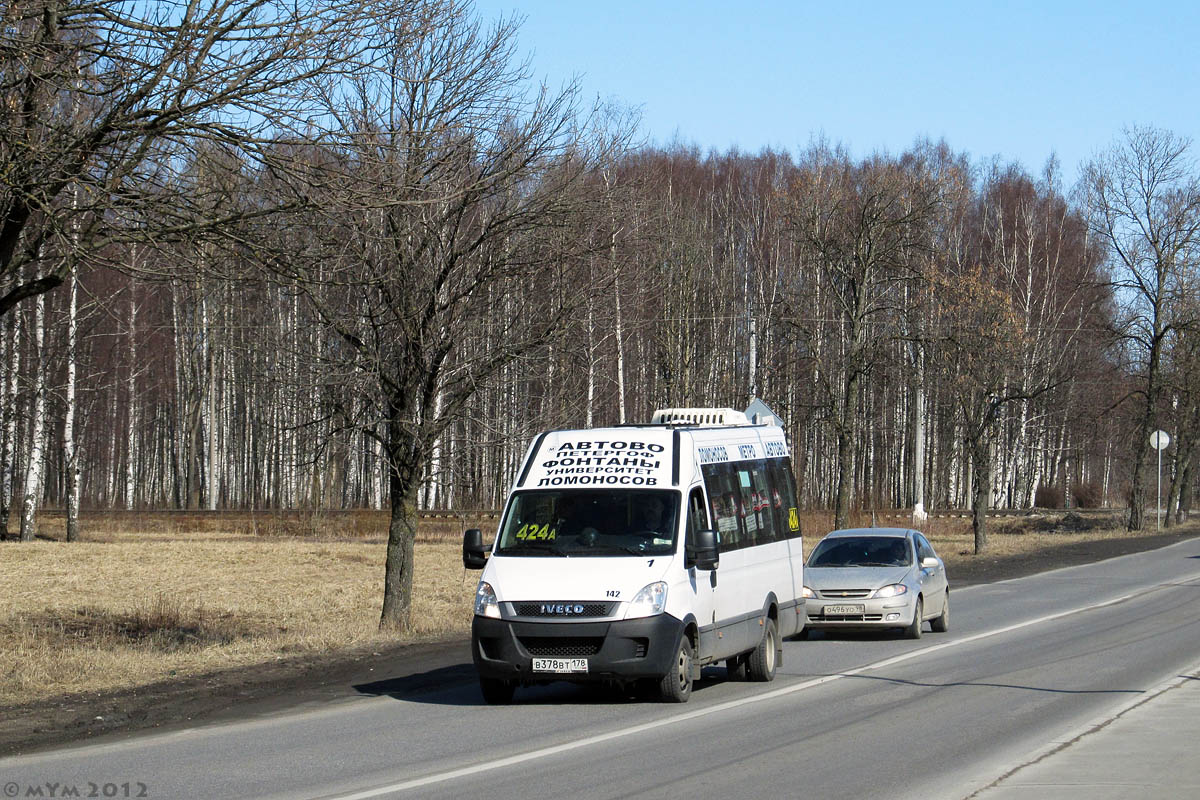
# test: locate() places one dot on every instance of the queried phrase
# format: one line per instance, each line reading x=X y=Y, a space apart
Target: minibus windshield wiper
x=623 y=548
x=541 y=547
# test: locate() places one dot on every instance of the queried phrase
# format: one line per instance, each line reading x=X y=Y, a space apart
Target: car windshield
x=862 y=551
x=590 y=522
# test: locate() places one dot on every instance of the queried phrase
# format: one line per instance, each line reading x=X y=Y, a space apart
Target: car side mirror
x=929 y=562
x=473 y=552
x=703 y=552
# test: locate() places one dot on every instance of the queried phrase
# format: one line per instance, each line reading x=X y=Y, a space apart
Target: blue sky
x=1018 y=80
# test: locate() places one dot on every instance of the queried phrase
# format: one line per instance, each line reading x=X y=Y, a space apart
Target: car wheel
x=802 y=634
x=913 y=631
x=762 y=663
x=942 y=623
x=676 y=685
x=497 y=692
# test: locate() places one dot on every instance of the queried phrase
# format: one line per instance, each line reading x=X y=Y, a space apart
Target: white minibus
x=639 y=554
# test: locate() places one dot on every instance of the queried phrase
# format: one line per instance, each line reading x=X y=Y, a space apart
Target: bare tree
x=1181 y=360
x=862 y=224
x=979 y=343
x=1143 y=198
x=430 y=214
x=100 y=98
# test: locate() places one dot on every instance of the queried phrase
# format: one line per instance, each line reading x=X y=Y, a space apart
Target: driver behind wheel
x=648 y=518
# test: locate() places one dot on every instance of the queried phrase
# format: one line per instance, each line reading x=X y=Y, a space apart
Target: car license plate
x=560 y=665
x=845 y=611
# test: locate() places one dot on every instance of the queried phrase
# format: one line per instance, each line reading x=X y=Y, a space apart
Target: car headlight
x=808 y=594
x=891 y=590
x=485 y=601
x=651 y=600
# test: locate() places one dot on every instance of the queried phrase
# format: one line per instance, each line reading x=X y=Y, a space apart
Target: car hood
x=853 y=577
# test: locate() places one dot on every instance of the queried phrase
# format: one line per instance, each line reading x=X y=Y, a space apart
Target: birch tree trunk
x=918 y=477
x=209 y=405
x=70 y=449
x=618 y=331
x=36 y=464
x=131 y=418
x=8 y=437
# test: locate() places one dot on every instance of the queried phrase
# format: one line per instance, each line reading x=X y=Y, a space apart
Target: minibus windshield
x=590 y=522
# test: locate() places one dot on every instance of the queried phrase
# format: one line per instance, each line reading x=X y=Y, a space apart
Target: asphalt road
x=851 y=716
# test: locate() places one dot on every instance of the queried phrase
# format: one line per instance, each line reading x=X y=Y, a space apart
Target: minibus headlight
x=651 y=600
x=891 y=590
x=485 y=601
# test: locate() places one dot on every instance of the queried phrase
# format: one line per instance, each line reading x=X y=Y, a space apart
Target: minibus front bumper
x=575 y=651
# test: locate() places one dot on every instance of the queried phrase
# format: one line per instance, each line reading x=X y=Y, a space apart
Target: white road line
x=544 y=752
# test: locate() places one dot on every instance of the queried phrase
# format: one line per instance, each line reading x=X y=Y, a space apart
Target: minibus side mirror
x=474 y=553
x=704 y=551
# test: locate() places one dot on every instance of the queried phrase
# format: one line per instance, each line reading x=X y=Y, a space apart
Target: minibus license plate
x=844 y=611
x=560 y=665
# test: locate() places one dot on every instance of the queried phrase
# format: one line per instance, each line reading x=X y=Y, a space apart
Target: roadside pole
x=1159 y=441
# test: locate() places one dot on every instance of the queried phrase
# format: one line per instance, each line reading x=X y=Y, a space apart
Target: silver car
x=865 y=578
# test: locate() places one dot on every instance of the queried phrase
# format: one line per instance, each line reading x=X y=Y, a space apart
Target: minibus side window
x=725 y=500
x=769 y=530
x=778 y=497
x=785 y=485
x=749 y=507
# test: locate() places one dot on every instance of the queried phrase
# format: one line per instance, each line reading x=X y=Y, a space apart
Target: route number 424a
x=534 y=532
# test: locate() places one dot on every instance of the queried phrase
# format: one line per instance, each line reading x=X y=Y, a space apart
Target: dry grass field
x=148 y=597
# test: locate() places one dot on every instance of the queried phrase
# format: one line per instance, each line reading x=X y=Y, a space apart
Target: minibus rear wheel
x=763 y=661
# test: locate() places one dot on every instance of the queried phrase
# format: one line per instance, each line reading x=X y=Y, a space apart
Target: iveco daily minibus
x=638 y=554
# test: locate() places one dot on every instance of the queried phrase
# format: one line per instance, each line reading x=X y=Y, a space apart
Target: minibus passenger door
x=702 y=582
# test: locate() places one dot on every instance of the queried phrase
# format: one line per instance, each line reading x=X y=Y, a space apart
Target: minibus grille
x=562 y=647
x=561 y=609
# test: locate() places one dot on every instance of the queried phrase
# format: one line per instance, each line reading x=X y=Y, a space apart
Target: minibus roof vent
x=699 y=416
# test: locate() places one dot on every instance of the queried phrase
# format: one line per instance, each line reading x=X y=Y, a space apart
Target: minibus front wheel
x=676 y=685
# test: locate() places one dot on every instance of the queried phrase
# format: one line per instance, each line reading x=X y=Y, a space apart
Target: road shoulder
x=1144 y=749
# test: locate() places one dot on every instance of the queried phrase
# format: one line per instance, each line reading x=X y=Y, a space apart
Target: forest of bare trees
x=275 y=255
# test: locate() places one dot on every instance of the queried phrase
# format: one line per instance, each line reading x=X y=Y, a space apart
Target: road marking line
x=544 y=752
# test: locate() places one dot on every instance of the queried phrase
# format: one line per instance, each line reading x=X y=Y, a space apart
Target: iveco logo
x=562 y=608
